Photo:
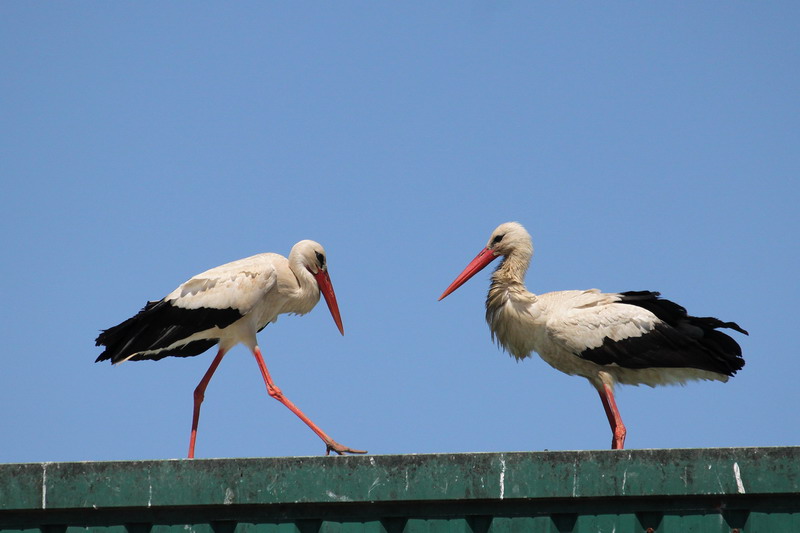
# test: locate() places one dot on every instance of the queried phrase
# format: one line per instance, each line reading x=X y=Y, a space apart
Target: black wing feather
x=158 y=325
x=678 y=341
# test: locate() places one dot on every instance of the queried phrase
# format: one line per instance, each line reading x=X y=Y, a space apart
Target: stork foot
x=333 y=446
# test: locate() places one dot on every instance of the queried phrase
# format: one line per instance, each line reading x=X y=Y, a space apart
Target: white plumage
x=631 y=338
x=228 y=305
x=239 y=284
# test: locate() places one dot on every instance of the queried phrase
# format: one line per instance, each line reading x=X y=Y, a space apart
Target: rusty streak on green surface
x=401 y=478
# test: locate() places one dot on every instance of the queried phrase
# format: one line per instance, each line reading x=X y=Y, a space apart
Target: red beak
x=326 y=288
x=485 y=257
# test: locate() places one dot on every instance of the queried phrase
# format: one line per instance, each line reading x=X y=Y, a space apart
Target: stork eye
x=497 y=239
x=320 y=259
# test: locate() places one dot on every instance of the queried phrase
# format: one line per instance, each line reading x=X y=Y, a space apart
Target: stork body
x=633 y=338
x=225 y=306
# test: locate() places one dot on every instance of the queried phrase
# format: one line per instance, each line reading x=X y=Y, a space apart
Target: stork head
x=311 y=256
x=507 y=239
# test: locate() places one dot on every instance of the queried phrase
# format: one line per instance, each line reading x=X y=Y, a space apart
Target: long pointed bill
x=476 y=265
x=326 y=288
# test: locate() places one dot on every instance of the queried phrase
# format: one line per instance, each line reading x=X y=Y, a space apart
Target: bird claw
x=334 y=446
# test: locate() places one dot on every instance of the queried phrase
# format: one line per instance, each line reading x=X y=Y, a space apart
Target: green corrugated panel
x=522 y=524
x=776 y=521
x=664 y=491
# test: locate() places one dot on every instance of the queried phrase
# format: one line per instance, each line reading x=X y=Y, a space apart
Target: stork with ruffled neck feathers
x=632 y=338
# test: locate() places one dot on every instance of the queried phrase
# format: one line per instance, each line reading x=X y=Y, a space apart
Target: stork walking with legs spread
x=228 y=305
x=633 y=338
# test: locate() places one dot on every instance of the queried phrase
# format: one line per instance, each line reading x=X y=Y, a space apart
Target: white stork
x=631 y=338
x=228 y=305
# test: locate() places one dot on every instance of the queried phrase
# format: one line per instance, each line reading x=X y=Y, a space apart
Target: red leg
x=275 y=392
x=199 y=394
x=614 y=418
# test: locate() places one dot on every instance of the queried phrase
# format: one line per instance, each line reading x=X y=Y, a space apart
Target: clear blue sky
x=644 y=146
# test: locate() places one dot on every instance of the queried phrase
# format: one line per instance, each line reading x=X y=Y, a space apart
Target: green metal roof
x=703 y=490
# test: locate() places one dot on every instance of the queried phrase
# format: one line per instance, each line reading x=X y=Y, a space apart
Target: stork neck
x=305 y=294
x=305 y=280
x=307 y=290
x=512 y=270
x=510 y=307
x=508 y=283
